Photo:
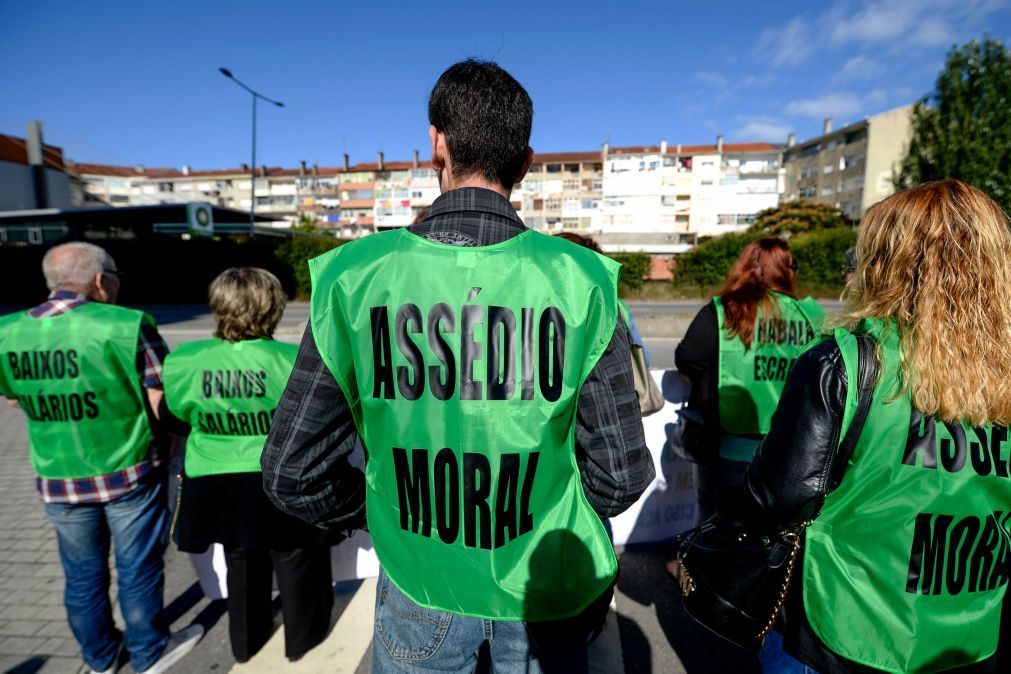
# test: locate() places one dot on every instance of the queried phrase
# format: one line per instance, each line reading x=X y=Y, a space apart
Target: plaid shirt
x=151 y=352
x=305 y=460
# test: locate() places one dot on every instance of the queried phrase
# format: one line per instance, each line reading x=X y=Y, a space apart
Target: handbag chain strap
x=794 y=541
x=867 y=374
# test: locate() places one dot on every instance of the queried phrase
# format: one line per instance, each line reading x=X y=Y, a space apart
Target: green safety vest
x=75 y=376
x=463 y=367
x=906 y=566
x=751 y=379
x=227 y=392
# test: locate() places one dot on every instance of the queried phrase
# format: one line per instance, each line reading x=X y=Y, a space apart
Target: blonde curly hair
x=936 y=260
x=247 y=303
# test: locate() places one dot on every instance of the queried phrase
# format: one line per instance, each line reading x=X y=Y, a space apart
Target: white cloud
x=932 y=32
x=830 y=105
x=758 y=80
x=768 y=130
x=859 y=68
x=790 y=45
x=712 y=79
x=895 y=24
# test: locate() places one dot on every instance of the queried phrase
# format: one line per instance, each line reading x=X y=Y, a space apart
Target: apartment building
x=562 y=192
x=662 y=198
x=850 y=168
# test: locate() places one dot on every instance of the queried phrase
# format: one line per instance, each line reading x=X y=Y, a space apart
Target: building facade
x=850 y=168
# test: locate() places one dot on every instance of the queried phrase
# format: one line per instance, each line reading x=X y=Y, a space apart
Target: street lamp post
x=252 y=167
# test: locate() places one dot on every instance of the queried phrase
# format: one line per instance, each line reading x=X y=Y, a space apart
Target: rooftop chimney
x=719 y=143
x=791 y=140
x=663 y=146
x=244 y=167
x=263 y=171
x=347 y=162
x=301 y=169
x=186 y=170
x=36 y=161
x=417 y=162
x=139 y=169
x=679 y=148
x=379 y=164
x=827 y=126
x=604 y=150
x=315 y=170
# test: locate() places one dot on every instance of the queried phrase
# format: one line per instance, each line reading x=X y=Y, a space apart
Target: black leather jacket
x=795 y=467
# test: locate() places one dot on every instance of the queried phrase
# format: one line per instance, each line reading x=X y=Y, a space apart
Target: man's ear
x=101 y=292
x=438 y=148
x=526 y=166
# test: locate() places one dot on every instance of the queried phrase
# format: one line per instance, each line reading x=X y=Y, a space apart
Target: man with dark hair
x=486 y=370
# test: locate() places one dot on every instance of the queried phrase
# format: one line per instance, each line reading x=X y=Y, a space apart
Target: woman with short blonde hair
x=247 y=302
x=906 y=549
x=227 y=389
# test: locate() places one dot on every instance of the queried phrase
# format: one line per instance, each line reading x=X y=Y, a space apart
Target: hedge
x=298 y=250
x=634 y=268
x=708 y=263
x=820 y=256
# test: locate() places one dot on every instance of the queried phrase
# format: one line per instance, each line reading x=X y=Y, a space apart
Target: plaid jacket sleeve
x=614 y=463
x=305 y=460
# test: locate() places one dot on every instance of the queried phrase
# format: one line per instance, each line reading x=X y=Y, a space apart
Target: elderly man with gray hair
x=88 y=376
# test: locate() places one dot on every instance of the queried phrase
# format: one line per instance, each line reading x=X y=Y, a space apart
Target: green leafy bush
x=820 y=256
x=634 y=268
x=298 y=250
x=707 y=264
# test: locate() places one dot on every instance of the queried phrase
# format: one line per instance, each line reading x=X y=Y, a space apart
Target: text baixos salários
x=51 y=365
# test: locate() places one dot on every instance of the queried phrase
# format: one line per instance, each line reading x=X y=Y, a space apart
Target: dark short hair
x=486 y=116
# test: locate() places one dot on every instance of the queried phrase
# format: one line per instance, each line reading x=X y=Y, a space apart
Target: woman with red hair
x=737 y=353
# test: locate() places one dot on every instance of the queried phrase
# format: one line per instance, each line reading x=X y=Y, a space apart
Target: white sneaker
x=115 y=663
x=180 y=643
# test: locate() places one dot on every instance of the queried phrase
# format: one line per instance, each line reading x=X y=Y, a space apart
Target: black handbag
x=733 y=578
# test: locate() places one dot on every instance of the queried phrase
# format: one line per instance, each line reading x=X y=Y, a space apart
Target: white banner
x=666 y=508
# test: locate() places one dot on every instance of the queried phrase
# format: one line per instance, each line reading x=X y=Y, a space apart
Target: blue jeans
x=135 y=525
x=775 y=660
x=412 y=639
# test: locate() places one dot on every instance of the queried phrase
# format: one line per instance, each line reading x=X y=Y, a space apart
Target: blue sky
x=138 y=83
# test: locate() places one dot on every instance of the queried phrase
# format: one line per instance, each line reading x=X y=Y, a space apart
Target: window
x=730 y=178
x=827 y=191
x=552 y=204
x=668 y=200
x=165 y=187
x=416 y=194
x=726 y=219
x=708 y=162
x=598 y=185
x=571 y=185
x=554 y=168
x=827 y=168
x=808 y=192
x=572 y=168
x=706 y=183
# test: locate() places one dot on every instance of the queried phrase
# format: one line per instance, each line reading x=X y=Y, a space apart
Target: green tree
x=797 y=217
x=963 y=128
x=305 y=243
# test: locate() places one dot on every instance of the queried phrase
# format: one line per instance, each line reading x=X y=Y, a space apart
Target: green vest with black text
x=751 y=378
x=75 y=376
x=906 y=566
x=227 y=392
x=463 y=367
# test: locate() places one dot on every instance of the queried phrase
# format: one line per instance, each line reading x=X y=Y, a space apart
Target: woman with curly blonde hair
x=906 y=551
